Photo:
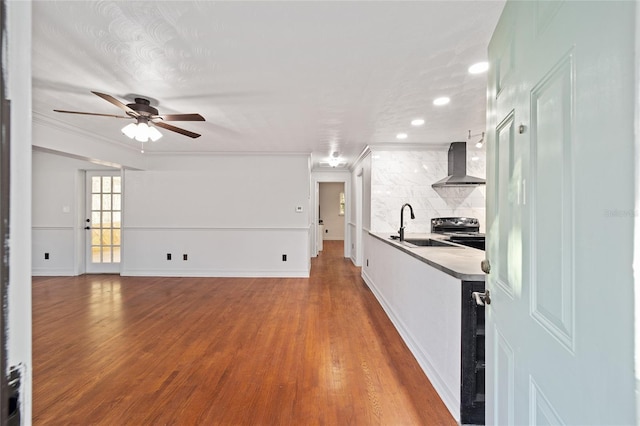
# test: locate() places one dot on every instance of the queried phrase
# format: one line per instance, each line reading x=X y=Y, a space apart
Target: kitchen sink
x=428 y=242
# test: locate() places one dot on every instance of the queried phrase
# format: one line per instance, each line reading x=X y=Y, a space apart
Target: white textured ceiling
x=312 y=77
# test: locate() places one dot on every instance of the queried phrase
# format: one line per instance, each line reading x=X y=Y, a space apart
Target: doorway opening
x=331 y=211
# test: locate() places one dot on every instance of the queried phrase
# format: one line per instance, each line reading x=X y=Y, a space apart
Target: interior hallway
x=113 y=350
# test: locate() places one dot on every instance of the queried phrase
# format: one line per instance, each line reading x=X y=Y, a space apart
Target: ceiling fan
x=145 y=115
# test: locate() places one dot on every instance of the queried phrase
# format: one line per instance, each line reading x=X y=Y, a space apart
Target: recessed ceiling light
x=401 y=136
x=441 y=101
x=479 y=68
x=417 y=122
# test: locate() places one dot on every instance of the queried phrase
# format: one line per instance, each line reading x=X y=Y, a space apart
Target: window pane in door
x=106 y=202
x=95 y=254
x=95 y=237
x=106 y=184
x=106 y=254
x=106 y=219
x=106 y=237
x=116 y=254
x=95 y=202
x=95 y=184
x=115 y=235
x=116 y=188
x=116 y=220
x=116 y=201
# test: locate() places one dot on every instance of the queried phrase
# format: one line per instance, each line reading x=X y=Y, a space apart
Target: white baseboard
x=62 y=272
x=215 y=273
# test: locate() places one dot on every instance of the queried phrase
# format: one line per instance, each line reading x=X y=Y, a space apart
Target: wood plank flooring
x=111 y=350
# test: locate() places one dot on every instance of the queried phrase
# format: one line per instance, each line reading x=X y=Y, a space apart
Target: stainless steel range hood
x=457 y=168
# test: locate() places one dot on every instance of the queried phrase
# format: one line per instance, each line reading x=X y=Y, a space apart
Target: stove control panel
x=455 y=224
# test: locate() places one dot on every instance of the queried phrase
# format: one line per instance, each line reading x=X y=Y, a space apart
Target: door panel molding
x=545 y=11
x=504 y=67
x=541 y=412
x=505 y=136
x=552 y=264
x=504 y=377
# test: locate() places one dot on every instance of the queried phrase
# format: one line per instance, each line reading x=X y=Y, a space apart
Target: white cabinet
x=424 y=305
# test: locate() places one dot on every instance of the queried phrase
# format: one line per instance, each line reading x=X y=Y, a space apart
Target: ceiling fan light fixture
x=130 y=130
x=154 y=134
x=141 y=132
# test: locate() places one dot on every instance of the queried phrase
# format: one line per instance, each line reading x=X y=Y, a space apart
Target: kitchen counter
x=460 y=262
x=426 y=292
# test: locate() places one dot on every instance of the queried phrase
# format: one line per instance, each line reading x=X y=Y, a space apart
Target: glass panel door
x=104 y=227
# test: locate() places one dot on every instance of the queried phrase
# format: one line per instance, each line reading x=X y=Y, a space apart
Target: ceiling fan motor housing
x=142 y=106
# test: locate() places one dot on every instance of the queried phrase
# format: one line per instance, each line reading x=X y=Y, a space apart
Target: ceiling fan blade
x=176 y=129
x=117 y=103
x=92 y=113
x=181 y=117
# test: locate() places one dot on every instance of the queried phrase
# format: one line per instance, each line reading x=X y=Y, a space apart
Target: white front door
x=560 y=210
x=103 y=222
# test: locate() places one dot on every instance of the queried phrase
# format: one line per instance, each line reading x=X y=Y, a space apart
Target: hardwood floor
x=113 y=350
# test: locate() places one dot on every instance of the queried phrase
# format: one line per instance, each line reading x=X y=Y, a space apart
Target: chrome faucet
x=401 y=231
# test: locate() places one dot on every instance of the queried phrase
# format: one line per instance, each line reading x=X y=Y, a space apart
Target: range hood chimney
x=457 y=168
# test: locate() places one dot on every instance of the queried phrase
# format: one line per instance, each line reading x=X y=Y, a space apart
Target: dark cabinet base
x=472 y=386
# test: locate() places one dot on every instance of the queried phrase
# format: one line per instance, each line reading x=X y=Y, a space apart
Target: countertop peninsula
x=459 y=261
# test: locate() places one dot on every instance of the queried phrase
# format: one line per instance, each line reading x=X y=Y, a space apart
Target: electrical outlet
x=184 y=257
x=284 y=257
x=168 y=256
x=46 y=256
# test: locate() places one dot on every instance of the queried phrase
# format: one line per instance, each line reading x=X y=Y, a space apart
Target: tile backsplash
x=399 y=177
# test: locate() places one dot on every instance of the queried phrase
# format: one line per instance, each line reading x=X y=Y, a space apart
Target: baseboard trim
x=63 y=272
x=216 y=274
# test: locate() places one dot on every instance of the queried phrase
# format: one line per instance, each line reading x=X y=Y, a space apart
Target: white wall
x=330 y=210
x=233 y=215
x=54 y=136
x=636 y=233
x=359 y=206
x=58 y=210
x=399 y=177
x=18 y=78
x=366 y=165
